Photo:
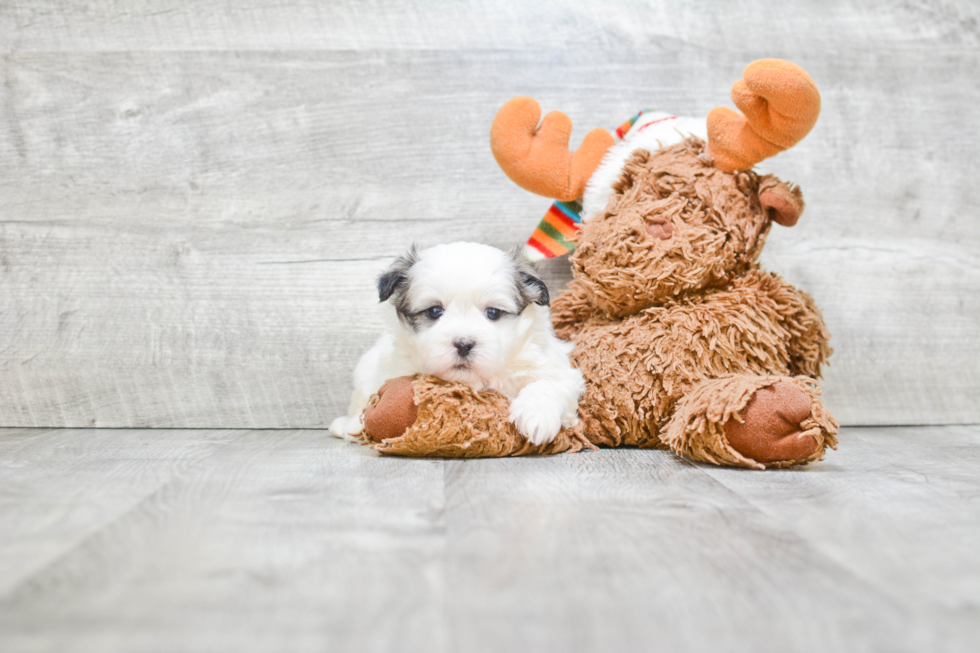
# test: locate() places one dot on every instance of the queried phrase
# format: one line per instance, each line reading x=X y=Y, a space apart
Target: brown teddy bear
x=684 y=342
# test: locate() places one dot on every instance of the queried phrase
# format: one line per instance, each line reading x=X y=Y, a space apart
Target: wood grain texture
x=97 y=464
x=127 y=25
x=137 y=540
x=195 y=198
x=271 y=540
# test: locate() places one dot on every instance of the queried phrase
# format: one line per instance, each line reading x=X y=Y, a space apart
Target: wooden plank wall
x=195 y=197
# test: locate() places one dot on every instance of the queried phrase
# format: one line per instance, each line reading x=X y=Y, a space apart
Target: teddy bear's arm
x=806 y=336
x=809 y=347
x=572 y=310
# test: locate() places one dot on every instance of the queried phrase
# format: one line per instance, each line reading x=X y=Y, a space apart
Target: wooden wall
x=195 y=197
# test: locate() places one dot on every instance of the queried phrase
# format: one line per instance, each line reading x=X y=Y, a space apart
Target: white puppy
x=474 y=314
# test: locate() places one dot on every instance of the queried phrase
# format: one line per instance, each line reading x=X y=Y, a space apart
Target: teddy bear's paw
x=535 y=417
x=771 y=426
x=394 y=410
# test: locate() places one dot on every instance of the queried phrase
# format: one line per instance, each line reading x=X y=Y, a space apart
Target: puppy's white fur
x=516 y=354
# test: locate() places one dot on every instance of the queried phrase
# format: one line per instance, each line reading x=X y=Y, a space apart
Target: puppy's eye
x=435 y=312
x=493 y=314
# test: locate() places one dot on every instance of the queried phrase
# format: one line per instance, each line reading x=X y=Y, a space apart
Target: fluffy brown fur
x=638 y=367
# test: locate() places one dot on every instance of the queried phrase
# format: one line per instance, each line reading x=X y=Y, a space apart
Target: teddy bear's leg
x=752 y=421
x=423 y=416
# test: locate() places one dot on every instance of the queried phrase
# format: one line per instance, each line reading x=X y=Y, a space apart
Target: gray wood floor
x=194 y=540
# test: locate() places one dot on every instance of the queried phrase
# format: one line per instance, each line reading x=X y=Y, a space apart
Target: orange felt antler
x=781 y=104
x=537 y=158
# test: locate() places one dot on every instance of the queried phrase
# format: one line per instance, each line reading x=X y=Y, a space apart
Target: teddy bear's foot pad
x=771 y=426
x=393 y=412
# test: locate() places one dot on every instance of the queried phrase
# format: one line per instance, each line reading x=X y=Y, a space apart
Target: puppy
x=474 y=314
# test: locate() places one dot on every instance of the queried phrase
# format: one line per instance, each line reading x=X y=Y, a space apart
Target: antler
x=537 y=158
x=781 y=104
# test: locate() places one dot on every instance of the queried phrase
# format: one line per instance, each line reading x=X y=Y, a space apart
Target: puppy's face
x=464 y=309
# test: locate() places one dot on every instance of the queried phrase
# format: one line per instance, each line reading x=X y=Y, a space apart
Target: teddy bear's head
x=681 y=218
x=676 y=224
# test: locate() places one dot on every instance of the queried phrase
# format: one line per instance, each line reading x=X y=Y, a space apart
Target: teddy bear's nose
x=660 y=227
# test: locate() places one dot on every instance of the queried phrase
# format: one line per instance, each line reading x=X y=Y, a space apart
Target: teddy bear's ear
x=782 y=202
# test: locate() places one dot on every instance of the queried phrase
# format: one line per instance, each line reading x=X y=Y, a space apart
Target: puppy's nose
x=463 y=346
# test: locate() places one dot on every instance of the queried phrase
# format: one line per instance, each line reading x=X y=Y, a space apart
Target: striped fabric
x=557 y=232
x=626 y=126
x=559 y=229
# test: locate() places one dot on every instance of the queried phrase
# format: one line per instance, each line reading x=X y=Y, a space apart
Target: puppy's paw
x=536 y=421
x=346 y=427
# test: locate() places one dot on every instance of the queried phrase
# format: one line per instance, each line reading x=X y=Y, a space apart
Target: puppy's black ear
x=389 y=282
x=395 y=278
x=534 y=289
x=531 y=288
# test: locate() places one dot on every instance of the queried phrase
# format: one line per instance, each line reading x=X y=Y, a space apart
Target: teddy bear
x=685 y=343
